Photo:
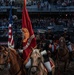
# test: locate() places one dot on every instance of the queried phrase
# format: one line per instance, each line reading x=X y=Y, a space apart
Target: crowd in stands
x=65 y=2
x=8 y=2
x=3 y=23
x=45 y=22
x=39 y=3
x=37 y=23
x=46 y=5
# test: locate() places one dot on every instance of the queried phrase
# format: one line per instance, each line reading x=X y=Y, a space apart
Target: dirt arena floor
x=69 y=70
x=4 y=72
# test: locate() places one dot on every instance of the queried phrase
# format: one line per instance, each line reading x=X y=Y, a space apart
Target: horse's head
x=62 y=42
x=36 y=60
x=4 y=57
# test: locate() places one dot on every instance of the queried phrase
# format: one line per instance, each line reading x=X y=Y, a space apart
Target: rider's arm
x=44 y=52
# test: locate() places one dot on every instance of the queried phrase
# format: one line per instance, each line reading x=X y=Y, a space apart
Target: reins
x=17 y=71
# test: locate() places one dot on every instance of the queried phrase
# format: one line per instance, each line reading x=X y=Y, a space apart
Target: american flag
x=10 y=34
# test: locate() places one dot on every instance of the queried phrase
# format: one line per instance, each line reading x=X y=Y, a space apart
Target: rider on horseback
x=49 y=47
x=46 y=58
x=45 y=55
x=49 y=38
x=46 y=62
x=68 y=41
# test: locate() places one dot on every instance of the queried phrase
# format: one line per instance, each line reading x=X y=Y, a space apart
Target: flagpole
x=10 y=2
x=10 y=17
x=10 y=35
x=25 y=2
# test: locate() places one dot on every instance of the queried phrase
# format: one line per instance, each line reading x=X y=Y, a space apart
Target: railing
x=52 y=9
x=34 y=8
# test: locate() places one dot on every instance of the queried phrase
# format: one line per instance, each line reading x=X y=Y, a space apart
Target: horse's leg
x=45 y=73
x=56 y=62
x=24 y=70
x=53 y=67
x=65 y=65
x=53 y=70
x=58 y=72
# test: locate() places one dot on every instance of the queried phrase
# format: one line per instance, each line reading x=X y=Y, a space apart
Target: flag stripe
x=10 y=34
x=29 y=42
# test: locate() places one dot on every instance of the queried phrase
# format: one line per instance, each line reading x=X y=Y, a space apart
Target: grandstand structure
x=38 y=6
x=58 y=14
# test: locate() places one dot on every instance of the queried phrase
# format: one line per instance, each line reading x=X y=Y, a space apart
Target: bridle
x=30 y=69
x=62 y=43
x=17 y=71
x=36 y=67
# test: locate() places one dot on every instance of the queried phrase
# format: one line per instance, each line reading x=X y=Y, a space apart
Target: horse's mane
x=13 y=50
x=2 y=48
x=38 y=52
x=16 y=55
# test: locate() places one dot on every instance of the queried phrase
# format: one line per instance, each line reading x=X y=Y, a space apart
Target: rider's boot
x=70 y=56
x=50 y=73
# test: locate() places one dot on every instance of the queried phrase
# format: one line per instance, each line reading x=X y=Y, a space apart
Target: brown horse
x=10 y=59
x=37 y=67
x=63 y=53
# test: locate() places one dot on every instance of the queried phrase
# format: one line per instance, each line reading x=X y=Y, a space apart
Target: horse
x=62 y=53
x=10 y=60
x=37 y=67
